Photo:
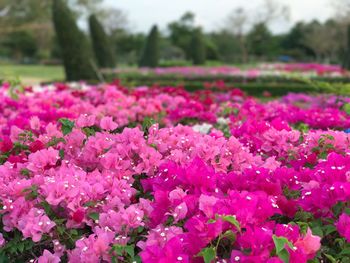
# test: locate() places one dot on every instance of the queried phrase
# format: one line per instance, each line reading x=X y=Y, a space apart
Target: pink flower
x=48 y=257
x=85 y=121
x=343 y=226
x=309 y=244
x=206 y=204
x=5 y=144
x=42 y=159
x=108 y=124
x=35 y=123
x=35 y=224
x=2 y=240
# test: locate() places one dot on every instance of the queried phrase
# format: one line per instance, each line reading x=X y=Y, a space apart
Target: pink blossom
x=342 y=226
x=108 y=124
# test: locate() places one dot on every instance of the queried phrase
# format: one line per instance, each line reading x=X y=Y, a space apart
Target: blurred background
x=185 y=33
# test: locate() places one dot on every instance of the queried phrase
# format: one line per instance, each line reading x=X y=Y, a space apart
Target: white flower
x=202 y=128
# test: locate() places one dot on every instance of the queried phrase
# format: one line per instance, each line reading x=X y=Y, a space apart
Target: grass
x=31 y=74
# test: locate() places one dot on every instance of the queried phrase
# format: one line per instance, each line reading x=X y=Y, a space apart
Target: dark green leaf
x=67 y=126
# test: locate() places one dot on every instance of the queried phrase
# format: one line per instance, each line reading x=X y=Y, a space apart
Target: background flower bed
x=277 y=79
x=107 y=174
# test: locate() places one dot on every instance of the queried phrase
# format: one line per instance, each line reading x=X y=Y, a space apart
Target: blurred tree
x=240 y=21
x=150 y=55
x=197 y=48
x=211 y=50
x=294 y=42
x=324 y=40
x=128 y=46
x=236 y=24
x=270 y=11
x=76 y=54
x=169 y=52
x=101 y=43
x=113 y=20
x=228 y=46
x=259 y=40
x=21 y=44
x=181 y=32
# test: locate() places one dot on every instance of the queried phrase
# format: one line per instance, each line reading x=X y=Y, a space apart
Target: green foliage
x=101 y=44
x=67 y=126
x=281 y=251
x=127 y=252
x=146 y=124
x=232 y=220
x=94 y=216
x=259 y=40
x=21 y=44
x=150 y=56
x=346 y=108
x=181 y=33
x=208 y=254
x=16 y=248
x=76 y=53
x=198 y=48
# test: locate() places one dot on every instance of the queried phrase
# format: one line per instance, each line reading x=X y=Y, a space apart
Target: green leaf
x=74 y=232
x=284 y=255
x=20 y=247
x=280 y=243
x=329 y=229
x=347 y=210
x=130 y=250
x=147 y=123
x=90 y=204
x=229 y=235
x=94 y=216
x=114 y=259
x=67 y=126
x=233 y=221
x=25 y=172
x=346 y=108
x=208 y=254
x=331 y=258
x=61 y=153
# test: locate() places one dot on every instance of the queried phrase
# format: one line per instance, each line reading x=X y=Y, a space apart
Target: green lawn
x=31 y=74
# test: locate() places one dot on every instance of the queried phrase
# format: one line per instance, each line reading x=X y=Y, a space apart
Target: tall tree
x=198 y=48
x=259 y=40
x=76 y=54
x=150 y=56
x=101 y=44
x=181 y=32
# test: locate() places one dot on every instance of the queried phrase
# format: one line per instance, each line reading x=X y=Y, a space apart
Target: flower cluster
x=107 y=174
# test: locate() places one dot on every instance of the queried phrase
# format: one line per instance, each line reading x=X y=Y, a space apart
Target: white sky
x=211 y=13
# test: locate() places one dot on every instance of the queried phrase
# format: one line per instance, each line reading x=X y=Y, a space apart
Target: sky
x=210 y=14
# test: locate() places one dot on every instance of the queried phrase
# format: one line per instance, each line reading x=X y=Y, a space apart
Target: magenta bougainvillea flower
x=107 y=174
